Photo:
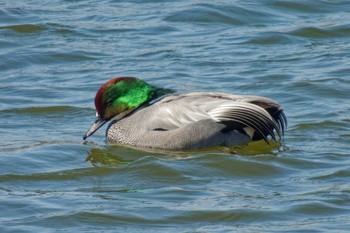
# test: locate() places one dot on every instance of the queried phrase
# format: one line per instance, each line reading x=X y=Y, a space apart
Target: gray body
x=194 y=120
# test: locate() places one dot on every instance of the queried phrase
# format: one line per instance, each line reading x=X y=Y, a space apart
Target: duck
x=144 y=115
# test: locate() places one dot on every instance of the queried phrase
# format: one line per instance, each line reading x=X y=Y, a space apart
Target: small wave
x=25 y=28
x=324 y=124
x=73 y=174
x=203 y=14
x=269 y=38
x=322 y=33
x=303 y=7
x=334 y=175
x=43 y=110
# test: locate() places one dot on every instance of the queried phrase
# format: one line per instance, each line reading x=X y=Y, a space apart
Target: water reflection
x=116 y=155
x=97 y=156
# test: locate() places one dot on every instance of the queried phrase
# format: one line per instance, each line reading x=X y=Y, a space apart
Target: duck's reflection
x=116 y=155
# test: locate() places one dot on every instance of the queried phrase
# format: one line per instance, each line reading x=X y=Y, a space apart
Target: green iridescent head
x=120 y=96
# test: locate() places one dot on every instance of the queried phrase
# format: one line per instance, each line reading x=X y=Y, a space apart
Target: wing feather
x=250 y=115
x=261 y=114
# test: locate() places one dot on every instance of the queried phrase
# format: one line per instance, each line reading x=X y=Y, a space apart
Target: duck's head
x=119 y=97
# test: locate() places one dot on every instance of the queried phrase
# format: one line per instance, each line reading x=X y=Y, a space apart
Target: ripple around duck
x=227 y=165
x=115 y=156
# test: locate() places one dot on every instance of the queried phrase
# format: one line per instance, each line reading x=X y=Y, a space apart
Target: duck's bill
x=95 y=126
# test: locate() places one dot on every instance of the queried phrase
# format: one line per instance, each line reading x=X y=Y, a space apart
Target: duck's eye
x=109 y=101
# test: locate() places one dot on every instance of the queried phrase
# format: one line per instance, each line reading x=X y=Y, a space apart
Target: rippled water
x=54 y=55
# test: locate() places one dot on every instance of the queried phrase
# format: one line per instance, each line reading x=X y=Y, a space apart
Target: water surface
x=54 y=55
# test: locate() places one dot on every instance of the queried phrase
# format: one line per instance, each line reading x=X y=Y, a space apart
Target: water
x=54 y=55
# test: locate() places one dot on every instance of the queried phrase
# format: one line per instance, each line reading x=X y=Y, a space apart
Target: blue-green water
x=54 y=55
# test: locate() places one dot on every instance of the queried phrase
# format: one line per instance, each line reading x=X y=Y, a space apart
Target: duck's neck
x=160 y=92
